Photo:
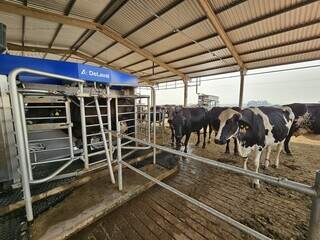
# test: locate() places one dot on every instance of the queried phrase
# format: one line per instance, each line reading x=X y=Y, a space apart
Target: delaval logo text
x=96 y=74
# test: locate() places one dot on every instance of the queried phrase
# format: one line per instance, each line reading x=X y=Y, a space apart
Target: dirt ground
x=273 y=211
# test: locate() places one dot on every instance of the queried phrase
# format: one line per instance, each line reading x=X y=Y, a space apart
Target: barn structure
x=158 y=41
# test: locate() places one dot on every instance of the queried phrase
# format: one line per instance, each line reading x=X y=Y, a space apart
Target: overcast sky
x=277 y=88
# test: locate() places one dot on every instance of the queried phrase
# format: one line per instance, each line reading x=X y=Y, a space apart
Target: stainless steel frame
x=52 y=94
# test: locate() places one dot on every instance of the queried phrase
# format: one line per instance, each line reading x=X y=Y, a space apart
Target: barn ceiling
x=165 y=40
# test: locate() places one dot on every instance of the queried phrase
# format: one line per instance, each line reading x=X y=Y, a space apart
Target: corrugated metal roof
x=298 y=34
x=87 y=8
x=96 y=43
x=284 y=20
x=278 y=51
x=39 y=32
x=114 y=52
x=264 y=33
x=252 y=9
x=14 y=26
x=314 y=55
x=67 y=36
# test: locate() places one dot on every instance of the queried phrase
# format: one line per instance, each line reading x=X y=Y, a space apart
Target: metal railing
x=23 y=153
x=311 y=191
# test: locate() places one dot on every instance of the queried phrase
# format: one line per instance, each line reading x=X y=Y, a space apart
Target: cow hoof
x=275 y=166
x=266 y=164
x=289 y=154
x=255 y=185
x=236 y=153
x=226 y=152
x=197 y=144
x=204 y=146
x=209 y=141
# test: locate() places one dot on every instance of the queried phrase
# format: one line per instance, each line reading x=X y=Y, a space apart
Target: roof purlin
x=249 y=22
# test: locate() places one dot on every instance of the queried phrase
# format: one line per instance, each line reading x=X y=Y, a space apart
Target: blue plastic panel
x=75 y=70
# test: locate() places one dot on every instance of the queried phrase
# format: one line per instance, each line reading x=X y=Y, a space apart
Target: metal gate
x=57 y=127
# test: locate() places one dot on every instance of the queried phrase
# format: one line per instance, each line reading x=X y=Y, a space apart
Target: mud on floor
x=275 y=212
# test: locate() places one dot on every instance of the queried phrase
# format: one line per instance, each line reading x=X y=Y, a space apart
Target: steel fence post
x=314 y=223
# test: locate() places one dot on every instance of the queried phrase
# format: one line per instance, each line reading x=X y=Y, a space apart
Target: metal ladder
x=107 y=150
x=104 y=139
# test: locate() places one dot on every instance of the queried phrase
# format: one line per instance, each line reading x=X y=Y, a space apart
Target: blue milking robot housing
x=117 y=82
x=75 y=70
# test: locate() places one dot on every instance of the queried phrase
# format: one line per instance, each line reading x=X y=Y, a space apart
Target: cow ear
x=237 y=116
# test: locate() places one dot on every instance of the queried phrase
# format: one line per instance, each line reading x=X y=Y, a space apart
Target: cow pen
x=84 y=153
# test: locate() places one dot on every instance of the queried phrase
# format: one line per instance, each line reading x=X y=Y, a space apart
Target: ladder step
x=96 y=125
x=102 y=115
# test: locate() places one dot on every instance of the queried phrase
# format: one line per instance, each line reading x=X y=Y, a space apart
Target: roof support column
x=185 y=94
x=242 y=74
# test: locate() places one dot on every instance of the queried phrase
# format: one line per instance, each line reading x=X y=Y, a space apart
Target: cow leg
x=256 y=183
x=245 y=161
x=227 y=147
x=287 y=140
x=186 y=142
x=172 y=136
x=210 y=131
x=279 y=148
x=198 y=141
x=204 y=136
x=235 y=150
x=267 y=161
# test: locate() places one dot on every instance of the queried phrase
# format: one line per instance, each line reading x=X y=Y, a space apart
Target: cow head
x=251 y=132
x=179 y=122
x=302 y=124
x=228 y=126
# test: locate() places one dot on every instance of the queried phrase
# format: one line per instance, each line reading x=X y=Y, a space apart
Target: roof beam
x=25 y=3
x=111 y=8
x=264 y=35
x=270 y=15
x=108 y=32
x=16 y=47
x=58 y=51
x=129 y=44
x=216 y=24
x=144 y=23
x=284 y=44
x=45 y=15
x=67 y=11
x=274 y=57
x=201 y=19
x=249 y=22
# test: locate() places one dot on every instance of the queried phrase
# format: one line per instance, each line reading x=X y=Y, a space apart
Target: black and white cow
x=218 y=116
x=258 y=128
x=188 y=120
x=307 y=120
x=170 y=110
x=160 y=112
